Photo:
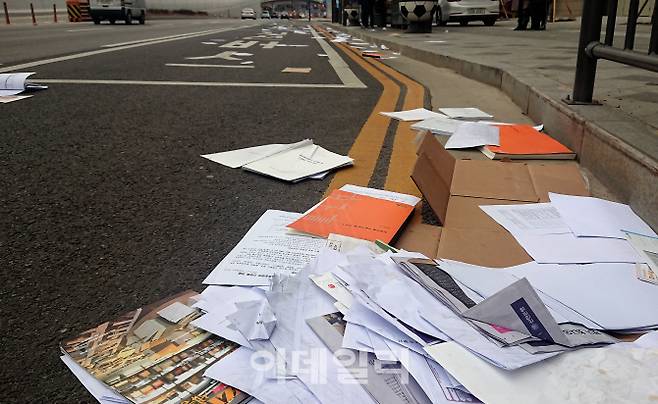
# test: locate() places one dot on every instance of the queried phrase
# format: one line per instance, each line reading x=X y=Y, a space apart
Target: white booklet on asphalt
x=16 y=83
x=289 y=162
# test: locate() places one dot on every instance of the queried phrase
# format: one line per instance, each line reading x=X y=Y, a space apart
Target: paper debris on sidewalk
x=465 y=113
x=472 y=134
x=417 y=114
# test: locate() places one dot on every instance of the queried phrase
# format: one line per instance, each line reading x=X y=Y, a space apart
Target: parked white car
x=465 y=11
x=113 y=10
x=248 y=13
x=265 y=14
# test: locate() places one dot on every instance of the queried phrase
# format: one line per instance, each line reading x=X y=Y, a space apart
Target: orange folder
x=356 y=216
x=525 y=142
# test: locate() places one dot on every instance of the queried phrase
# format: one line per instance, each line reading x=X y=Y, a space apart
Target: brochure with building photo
x=151 y=356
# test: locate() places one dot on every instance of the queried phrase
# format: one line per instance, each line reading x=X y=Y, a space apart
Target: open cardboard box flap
x=455 y=189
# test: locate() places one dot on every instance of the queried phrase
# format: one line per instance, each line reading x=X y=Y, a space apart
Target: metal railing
x=590 y=47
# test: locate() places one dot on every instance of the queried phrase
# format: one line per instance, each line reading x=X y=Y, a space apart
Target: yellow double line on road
x=368 y=144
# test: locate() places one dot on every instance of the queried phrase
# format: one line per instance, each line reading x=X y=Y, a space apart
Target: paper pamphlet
x=265 y=250
x=535 y=218
x=526 y=142
x=254 y=319
x=299 y=163
x=473 y=134
x=146 y=368
x=15 y=83
x=465 y=113
x=354 y=215
x=518 y=307
x=417 y=114
x=240 y=157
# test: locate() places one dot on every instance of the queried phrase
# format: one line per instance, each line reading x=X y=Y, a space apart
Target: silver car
x=465 y=11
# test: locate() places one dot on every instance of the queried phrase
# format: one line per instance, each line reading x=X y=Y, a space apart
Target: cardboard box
x=420 y=237
x=456 y=187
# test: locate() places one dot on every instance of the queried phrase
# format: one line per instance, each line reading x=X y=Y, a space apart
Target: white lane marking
x=29 y=65
x=83 y=29
x=196 y=83
x=218 y=66
x=190 y=34
x=227 y=55
x=239 y=44
x=341 y=68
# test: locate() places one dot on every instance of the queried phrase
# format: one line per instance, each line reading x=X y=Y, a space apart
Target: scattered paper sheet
x=382 y=194
x=534 y=218
x=13 y=83
x=96 y=388
x=265 y=250
x=299 y=163
x=465 y=113
x=175 y=312
x=647 y=247
x=440 y=125
x=240 y=157
x=589 y=216
x=597 y=291
x=585 y=375
x=4 y=99
x=296 y=70
x=472 y=134
x=417 y=114
x=254 y=319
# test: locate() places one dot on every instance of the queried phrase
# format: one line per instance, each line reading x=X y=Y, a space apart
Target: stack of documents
x=292 y=162
x=340 y=316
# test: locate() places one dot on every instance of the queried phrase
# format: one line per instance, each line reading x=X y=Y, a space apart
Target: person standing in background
x=522 y=15
x=367 y=10
x=538 y=14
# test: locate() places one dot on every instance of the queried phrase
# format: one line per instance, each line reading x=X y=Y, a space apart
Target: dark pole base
x=419 y=27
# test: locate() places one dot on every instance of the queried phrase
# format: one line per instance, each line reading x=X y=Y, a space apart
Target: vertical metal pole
x=54 y=13
x=631 y=24
x=590 y=31
x=34 y=17
x=4 y=4
x=611 y=22
x=309 y=10
x=653 y=42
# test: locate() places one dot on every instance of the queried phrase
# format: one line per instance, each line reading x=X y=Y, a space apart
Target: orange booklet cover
x=525 y=142
x=354 y=215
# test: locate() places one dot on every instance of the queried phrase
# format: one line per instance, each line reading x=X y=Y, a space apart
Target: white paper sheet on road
x=473 y=134
x=241 y=369
x=441 y=125
x=95 y=387
x=532 y=218
x=620 y=373
x=13 y=83
x=240 y=157
x=465 y=113
x=568 y=249
x=265 y=250
x=589 y=216
x=417 y=114
x=5 y=99
x=608 y=294
x=299 y=163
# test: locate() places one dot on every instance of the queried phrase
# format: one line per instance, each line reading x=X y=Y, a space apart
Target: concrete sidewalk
x=616 y=141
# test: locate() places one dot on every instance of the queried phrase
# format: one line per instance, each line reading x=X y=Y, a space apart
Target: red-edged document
x=356 y=216
x=525 y=142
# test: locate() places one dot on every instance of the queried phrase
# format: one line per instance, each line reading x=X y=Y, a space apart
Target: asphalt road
x=106 y=204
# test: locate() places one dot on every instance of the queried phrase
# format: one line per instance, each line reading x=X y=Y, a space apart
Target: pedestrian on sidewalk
x=522 y=11
x=538 y=14
x=367 y=13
